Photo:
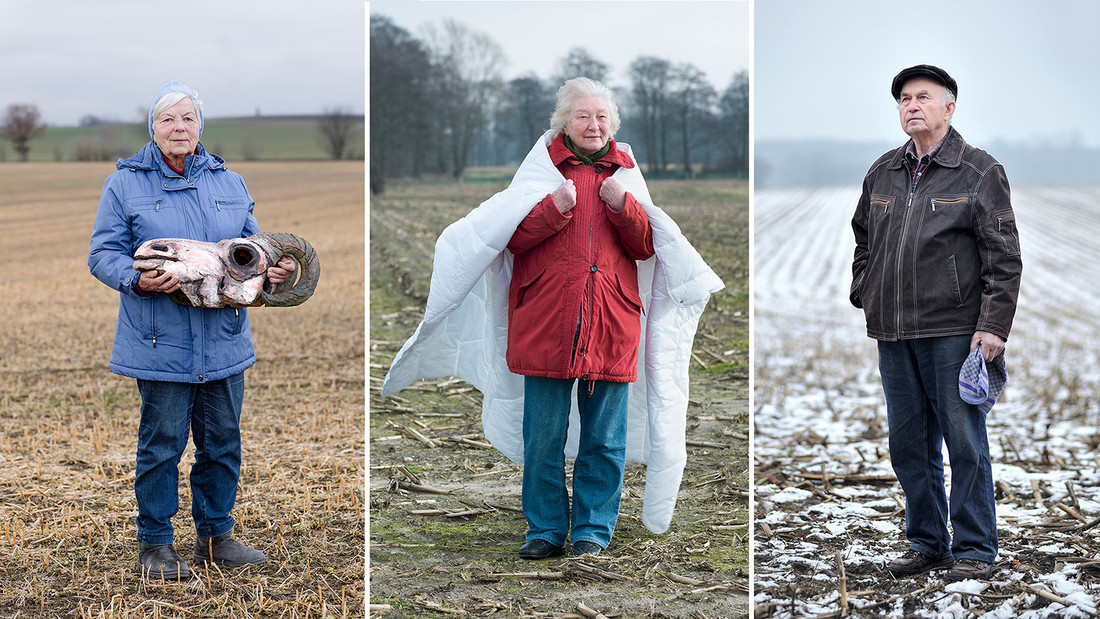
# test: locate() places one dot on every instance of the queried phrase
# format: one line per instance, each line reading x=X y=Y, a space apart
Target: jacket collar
x=150 y=159
x=949 y=155
x=559 y=152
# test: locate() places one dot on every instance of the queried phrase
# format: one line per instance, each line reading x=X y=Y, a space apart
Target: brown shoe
x=912 y=563
x=967 y=569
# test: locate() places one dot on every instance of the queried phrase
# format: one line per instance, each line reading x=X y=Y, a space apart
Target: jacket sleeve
x=999 y=249
x=541 y=223
x=110 y=256
x=632 y=225
x=862 y=252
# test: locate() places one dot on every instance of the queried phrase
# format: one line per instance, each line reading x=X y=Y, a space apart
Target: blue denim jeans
x=597 y=471
x=212 y=412
x=921 y=381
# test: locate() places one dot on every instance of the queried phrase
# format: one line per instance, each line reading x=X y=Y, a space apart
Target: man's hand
x=565 y=197
x=156 y=281
x=613 y=192
x=282 y=271
x=992 y=345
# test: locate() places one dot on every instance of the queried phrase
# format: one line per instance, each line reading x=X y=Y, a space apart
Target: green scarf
x=587 y=159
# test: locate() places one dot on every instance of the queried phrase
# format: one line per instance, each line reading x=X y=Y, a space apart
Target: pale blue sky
x=1027 y=71
x=108 y=58
x=536 y=35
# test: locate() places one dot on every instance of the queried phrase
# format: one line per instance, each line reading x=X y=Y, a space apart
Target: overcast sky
x=76 y=58
x=536 y=35
x=1026 y=70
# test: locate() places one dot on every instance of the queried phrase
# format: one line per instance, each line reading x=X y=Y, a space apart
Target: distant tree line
x=439 y=105
x=22 y=123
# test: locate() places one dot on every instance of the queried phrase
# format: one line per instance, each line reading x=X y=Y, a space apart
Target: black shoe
x=161 y=561
x=912 y=563
x=540 y=549
x=226 y=551
x=967 y=569
x=585 y=547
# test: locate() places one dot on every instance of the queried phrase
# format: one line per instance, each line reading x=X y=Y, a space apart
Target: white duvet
x=464 y=331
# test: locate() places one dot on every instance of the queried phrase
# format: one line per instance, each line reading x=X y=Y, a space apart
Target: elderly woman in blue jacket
x=189 y=362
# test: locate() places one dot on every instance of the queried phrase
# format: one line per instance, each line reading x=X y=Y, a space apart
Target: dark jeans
x=212 y=412
x=921 y=381
x=597 y=472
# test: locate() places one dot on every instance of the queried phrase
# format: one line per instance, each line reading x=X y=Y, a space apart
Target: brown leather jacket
x=942 y=260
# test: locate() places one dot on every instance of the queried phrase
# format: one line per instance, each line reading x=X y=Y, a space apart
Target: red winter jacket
x=573 y=305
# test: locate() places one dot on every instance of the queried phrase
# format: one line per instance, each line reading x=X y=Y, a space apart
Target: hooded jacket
x=943 y=259
x=573 y=304
x=156 y=338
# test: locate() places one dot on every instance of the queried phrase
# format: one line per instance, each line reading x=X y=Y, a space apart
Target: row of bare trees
x=439 y=104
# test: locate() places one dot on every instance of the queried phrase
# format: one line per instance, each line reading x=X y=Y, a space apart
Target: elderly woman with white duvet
x=574 y=320
x=189 y=361
x=540 y=292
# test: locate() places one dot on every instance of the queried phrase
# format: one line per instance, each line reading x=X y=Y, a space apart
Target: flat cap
x=935 y=74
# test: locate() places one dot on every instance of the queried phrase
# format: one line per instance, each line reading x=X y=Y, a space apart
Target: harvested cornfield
x=69 y=427
x=445 y=519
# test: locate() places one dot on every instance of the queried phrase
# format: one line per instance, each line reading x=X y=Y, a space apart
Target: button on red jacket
x=573 y=305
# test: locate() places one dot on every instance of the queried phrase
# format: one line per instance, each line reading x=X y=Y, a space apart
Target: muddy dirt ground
x=434 y=554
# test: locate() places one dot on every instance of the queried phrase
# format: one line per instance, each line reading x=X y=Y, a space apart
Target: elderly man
x=937 y=272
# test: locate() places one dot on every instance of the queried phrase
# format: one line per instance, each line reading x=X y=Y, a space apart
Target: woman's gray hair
x=575 y=89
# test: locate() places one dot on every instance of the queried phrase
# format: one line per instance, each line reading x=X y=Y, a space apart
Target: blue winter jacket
x=156 y=338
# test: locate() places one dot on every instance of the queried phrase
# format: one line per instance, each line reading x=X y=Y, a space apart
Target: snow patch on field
x=823 y=476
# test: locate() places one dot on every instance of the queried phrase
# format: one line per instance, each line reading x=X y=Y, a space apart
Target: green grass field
x=234 y=139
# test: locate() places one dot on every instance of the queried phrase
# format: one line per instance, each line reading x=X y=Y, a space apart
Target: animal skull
x=232 y=272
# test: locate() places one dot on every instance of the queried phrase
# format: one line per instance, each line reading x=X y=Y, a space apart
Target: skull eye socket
x=243 y=256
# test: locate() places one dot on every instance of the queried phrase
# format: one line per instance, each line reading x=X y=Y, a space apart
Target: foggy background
x=1027 y=76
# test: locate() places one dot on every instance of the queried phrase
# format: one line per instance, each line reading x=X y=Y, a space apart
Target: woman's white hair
x=168 y=100
x=575 y=89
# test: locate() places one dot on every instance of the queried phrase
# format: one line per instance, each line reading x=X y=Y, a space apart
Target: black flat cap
x=935 y=74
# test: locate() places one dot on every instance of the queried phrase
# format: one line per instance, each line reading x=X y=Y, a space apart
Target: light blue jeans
x=923 y=408
x=212 y=412
x=597 y=471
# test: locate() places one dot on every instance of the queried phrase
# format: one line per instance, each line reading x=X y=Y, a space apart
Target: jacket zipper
x=898 y=262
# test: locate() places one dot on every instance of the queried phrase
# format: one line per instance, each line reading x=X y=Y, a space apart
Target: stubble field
x=829 y=511
x=437 y=554
x=68 y=427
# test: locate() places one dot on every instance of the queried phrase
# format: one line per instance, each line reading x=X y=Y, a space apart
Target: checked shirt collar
x=919 y=164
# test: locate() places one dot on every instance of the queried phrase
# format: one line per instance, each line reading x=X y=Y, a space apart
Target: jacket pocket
x=629 y=291
x=154 y=218
x=520 y=292
x=230 y=214
x=1006 y=230
x=954 y=291
x=881 y=203
x=942 y=202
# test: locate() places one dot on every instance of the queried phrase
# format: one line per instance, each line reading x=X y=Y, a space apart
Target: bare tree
x=21 y=125
x=335 y=125
x=468 y=68
x=400 y=102
x=579 y=63
x=692 y=98
x=650 y=78
x=734 y=120
x=530 y=103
